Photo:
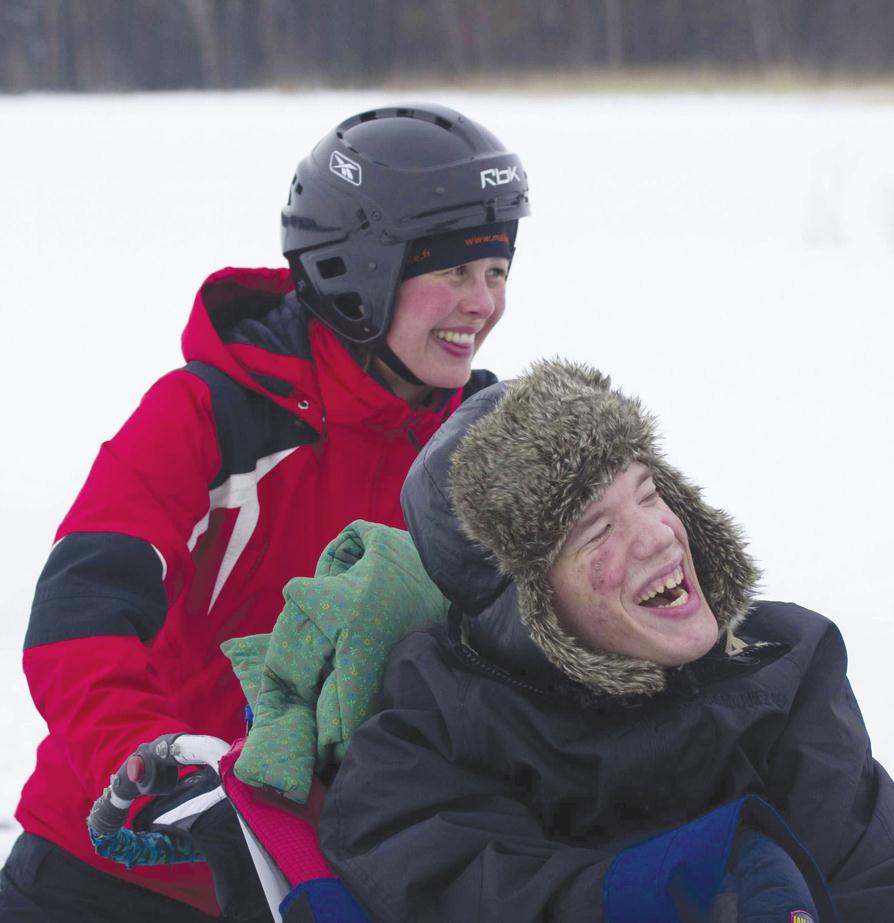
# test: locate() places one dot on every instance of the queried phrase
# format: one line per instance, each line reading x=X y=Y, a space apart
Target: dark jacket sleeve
x=839 y=799
x=421 y=831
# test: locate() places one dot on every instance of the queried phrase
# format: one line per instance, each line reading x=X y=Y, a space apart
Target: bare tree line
x=165 y=44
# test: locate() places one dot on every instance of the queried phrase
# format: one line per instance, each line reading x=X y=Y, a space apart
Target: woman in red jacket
x=306 y=394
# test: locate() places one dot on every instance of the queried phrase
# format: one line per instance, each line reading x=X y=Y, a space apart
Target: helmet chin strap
x=388 y=356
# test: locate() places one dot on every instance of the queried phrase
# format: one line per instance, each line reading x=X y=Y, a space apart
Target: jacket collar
x=352 y=397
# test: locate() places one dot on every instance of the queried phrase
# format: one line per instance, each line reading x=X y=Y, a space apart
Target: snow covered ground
x=729 y=258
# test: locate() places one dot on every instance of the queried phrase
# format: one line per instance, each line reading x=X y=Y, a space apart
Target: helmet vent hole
x=350 y=306
x=331 y=268
x=364 y=221
x=443 y=123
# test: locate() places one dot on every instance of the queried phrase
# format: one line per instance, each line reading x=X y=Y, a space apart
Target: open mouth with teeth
x=667 y=592
x=452 y=336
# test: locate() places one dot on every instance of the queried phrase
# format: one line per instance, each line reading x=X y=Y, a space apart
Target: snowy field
x=729 y=258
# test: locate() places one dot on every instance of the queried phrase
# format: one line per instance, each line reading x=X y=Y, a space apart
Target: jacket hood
x=493 y=496
x=238 y=324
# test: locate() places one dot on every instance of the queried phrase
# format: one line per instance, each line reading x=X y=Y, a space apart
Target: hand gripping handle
x=152 y=769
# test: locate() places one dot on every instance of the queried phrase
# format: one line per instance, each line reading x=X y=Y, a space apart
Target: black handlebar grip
x=150 y=770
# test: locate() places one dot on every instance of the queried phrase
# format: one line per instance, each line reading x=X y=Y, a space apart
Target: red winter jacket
x=229 y=479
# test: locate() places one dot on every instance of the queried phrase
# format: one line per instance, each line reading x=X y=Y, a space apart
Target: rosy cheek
x=605 y=575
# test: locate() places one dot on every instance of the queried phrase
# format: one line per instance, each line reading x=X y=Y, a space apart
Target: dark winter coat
x=228 y=480
x=495 y=785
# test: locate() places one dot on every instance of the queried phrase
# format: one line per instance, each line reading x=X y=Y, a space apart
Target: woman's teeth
x=451 y=336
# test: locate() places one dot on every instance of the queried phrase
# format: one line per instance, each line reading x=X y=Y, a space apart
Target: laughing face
x=624 y=581
x=442 y=318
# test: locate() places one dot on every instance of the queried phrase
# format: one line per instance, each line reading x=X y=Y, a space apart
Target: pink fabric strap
x=286 y=830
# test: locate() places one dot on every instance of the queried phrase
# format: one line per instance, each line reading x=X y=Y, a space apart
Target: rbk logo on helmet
x=494 y=176
x=801 y=916
x=346 y=168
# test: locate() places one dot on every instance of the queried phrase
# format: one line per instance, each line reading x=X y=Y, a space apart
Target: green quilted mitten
x=246 y=655
x=326 y=657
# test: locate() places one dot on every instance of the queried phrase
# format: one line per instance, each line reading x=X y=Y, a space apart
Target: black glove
x=215 y=831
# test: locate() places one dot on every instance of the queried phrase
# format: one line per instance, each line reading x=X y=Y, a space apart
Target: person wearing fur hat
x=610 y=727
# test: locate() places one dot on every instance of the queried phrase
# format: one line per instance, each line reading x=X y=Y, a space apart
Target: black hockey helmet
x=378 y=181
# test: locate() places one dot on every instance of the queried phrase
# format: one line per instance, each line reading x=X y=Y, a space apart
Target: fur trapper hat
x=524 y=474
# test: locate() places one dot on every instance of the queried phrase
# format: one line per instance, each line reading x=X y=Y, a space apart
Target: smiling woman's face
x=442 y=318
x=624 y=581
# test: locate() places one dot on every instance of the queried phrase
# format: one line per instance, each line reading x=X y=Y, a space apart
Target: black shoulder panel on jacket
x=249 y=425
x=98 y=583
x=480 y=379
